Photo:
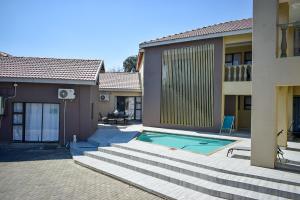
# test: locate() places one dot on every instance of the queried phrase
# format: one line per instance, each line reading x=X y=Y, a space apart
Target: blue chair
x=227 y=124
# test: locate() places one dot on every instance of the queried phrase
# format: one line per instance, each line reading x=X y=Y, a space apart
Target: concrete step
x=262 y=186
x=143 y=147
x=150 y=184
x=187 y=181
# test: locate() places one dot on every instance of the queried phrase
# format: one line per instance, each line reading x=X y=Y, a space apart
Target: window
x=233 y=59
x=138 y=108
x=18 y=121
x=248 y=58
x=297 y=42
x=247 y=102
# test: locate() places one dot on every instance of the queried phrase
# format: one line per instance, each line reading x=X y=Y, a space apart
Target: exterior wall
x=109 y=106
x=78 y=112
x=268 y=73
x=152 y=83
x=237 y=88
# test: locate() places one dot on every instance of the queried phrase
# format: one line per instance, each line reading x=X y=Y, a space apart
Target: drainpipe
x=65 y=105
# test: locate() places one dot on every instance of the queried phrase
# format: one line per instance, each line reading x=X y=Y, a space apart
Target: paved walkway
x=32 y=173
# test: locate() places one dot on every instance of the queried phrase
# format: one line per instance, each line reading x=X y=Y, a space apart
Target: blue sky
x=98 y=29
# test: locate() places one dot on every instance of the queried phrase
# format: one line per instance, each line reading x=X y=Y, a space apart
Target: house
x=48 y=99
x=121 y=91
x=276 y=82
x=192 y=79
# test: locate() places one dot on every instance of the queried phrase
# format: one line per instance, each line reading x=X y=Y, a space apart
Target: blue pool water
x=195 y=144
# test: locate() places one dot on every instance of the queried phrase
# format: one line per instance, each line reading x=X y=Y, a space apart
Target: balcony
x=289 y=39
x=238 y=72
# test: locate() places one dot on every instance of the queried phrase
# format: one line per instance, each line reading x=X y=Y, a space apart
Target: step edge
x=209 y=167
x=211 y=178
x=159 y=175
x=124 y=180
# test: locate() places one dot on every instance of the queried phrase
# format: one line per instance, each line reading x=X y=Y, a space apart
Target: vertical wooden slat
x=197 y=86
x=162 y=104
x=187 y=86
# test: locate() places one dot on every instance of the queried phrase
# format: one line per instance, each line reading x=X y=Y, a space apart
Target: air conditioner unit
x=104 y=97
x=66 y=94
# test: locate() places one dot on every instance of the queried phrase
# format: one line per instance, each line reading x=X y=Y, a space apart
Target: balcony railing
x=285 y=41
x=238 y=73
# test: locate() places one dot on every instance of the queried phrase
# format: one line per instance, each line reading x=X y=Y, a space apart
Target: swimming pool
x=195 y=144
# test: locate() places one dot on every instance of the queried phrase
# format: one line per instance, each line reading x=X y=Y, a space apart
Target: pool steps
x=191 y=180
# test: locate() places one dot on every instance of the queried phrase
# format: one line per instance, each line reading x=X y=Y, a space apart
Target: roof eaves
x=201 y=37
x=120 y=89
x=46 y=80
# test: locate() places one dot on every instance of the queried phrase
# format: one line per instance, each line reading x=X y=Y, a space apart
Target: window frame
x=24 y=122
x=247 y=60
x=232 y=58
x=18 y=124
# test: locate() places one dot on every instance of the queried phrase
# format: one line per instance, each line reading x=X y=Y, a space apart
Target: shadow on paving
x=13 y=154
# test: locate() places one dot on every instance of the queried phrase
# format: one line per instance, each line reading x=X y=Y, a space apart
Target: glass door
x=33 y=122
x=50 y=122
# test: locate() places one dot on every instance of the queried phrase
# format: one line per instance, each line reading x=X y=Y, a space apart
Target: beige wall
x=268 y=73
x=109 y=106
x=237 y=88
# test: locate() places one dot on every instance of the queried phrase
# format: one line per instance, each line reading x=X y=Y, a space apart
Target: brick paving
x=34 y=173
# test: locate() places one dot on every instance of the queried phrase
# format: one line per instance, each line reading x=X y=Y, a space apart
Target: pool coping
x=235 y=141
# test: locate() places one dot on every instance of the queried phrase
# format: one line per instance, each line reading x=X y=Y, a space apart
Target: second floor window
x=297 y=42
x=233 y=59
x=248 y=57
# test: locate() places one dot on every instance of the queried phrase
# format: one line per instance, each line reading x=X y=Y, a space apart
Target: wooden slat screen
x=187 y=86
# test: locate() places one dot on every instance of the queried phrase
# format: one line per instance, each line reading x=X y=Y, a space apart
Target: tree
x=129 y=64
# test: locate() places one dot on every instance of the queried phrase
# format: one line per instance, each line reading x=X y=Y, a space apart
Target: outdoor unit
x=1 y=105
x=104 y=97
x=66 y=94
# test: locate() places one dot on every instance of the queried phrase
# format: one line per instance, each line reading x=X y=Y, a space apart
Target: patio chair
x=241 y=148
x=227 y=124
x=102 y=119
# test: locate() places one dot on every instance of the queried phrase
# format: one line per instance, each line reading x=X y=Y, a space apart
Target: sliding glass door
x=41 y=122
x=33 y=119
x=50 y=122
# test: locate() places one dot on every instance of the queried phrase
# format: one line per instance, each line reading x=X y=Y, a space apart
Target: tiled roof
x=230 y=26
x=120 y=81
x=30 y=68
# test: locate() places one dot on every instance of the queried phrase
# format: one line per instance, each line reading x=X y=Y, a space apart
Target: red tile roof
x=119 y=81
x=230 y=26
x=28 y=68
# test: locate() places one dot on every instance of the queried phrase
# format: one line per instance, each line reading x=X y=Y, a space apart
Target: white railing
x=238 y=73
